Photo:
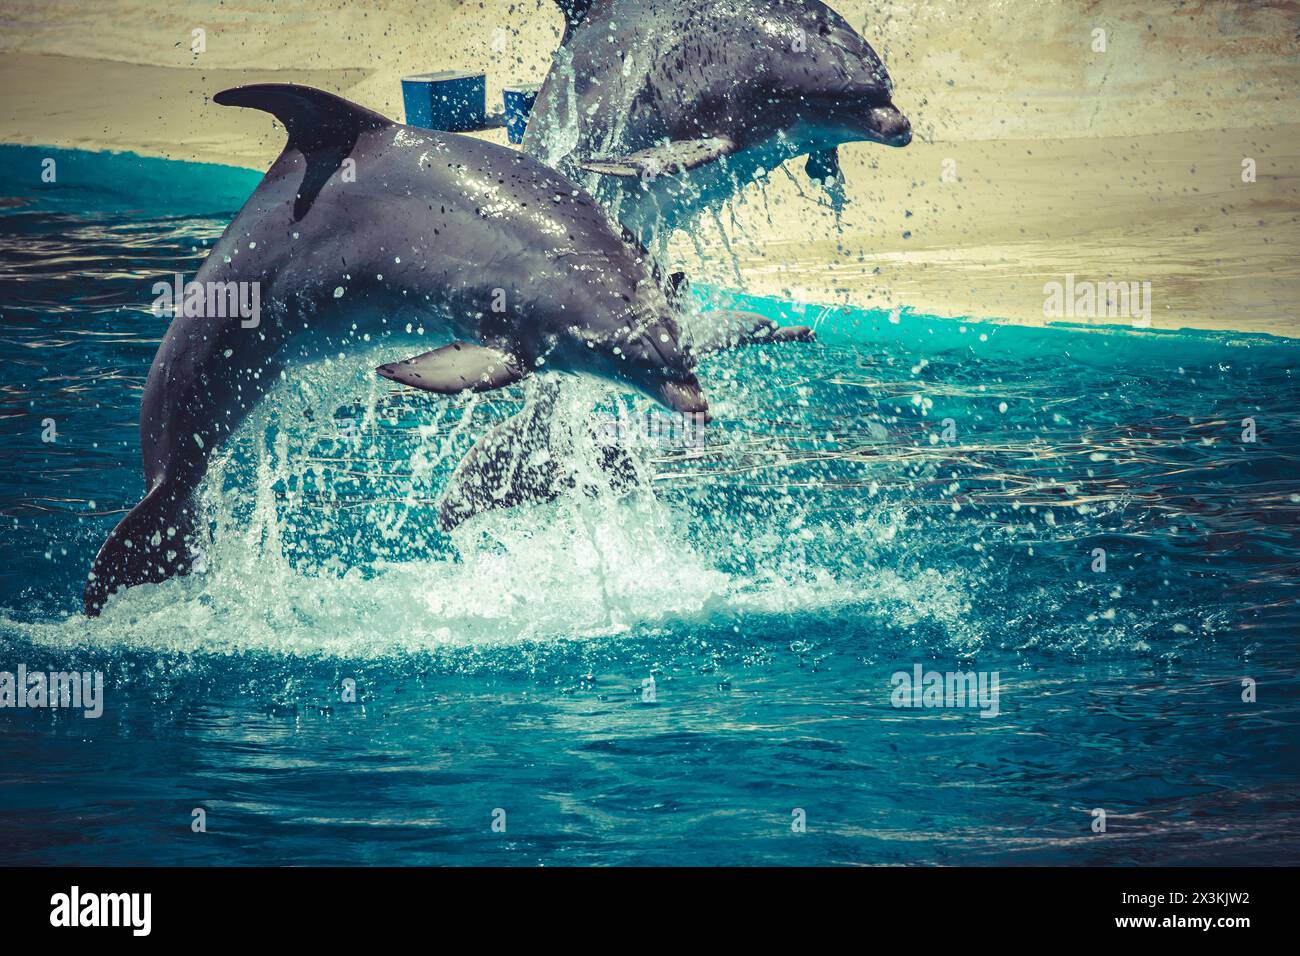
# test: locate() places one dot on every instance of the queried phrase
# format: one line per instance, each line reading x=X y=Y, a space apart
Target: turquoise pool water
x=908 y=491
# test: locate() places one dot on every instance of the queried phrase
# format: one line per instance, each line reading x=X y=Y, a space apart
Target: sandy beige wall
x=965 y=70
x=1119 y=164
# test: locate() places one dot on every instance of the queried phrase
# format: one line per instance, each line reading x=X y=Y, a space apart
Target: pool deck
x=1123 y=170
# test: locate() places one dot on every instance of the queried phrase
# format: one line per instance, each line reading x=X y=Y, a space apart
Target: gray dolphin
x=360 y=226
x=678 y=103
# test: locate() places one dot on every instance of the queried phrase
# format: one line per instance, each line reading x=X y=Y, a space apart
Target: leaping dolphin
x=360 y=226
x=678 y=103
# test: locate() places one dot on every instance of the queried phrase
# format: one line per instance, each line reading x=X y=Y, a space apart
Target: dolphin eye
x=879 y=95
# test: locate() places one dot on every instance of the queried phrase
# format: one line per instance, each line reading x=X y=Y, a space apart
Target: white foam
x=573 y=570
x=580 y=568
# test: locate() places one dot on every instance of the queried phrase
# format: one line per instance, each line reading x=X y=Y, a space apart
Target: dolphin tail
x=504 y=469
x=721 y=329
x=718 y=329
x=148 y=545
x=528 y=459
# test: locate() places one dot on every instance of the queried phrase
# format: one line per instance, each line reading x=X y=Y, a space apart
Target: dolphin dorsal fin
x=313 y=118
x=322 y=126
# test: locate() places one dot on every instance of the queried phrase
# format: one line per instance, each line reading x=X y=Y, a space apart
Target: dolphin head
x=586 y=297
x=841 y=84
x=630 y=335
x=647 y=354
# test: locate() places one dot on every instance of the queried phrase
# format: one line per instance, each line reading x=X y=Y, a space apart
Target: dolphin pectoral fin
x=823 y=164
x=677 y=156
x=823 y=168
x=458 y=367
x=727 y=329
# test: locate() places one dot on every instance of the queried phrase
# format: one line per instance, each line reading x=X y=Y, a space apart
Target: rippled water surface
x=907 y=491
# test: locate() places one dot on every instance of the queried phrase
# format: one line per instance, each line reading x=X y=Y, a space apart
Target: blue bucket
x=449 y=100
x=519 y=103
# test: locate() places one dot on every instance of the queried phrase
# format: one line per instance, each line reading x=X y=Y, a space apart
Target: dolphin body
x=360 y=226
x=679 y=104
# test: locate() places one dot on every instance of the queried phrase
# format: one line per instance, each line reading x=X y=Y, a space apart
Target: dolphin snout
x=890 y=125
x=684 y=395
